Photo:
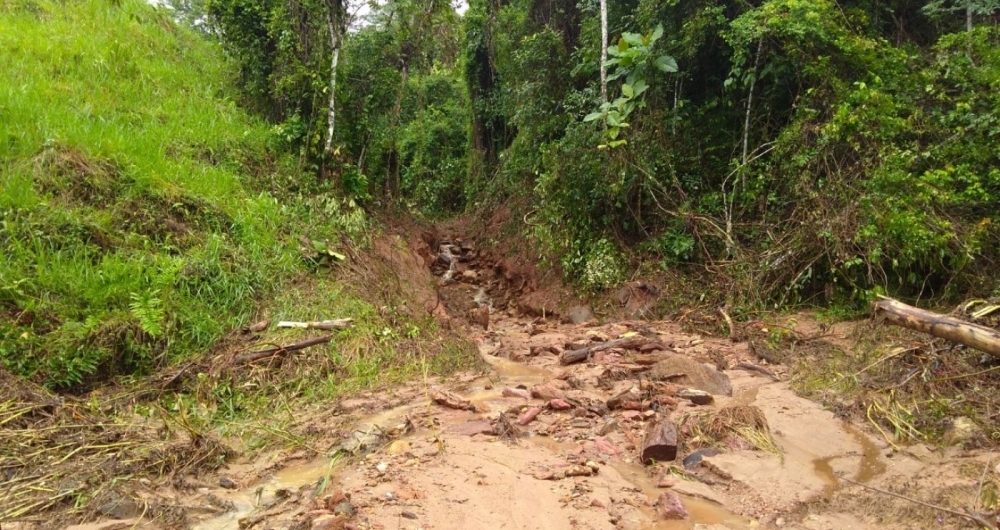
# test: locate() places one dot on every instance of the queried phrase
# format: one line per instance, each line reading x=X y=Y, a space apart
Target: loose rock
x=529 y=416
x=558 y=404
x=698 y=397
x=516 y=392
x=670 y=506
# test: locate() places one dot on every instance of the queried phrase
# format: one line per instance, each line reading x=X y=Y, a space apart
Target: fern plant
x=147 y=308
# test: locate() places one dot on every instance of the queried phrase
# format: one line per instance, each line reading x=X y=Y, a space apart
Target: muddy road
x=536 y=443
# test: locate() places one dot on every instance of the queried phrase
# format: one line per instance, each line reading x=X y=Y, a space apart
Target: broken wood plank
x=660 y=443
x=279 y=350
x=972 y=335
x=339 y=323
x=580 y=354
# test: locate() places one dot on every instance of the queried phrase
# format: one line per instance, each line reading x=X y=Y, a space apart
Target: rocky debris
x=688 y=372
x=660 y=442
x=451 y=400
x=407 y=514
x=609 y=426
x=960 y=430
x=227 y=483
x=698 y=397
x=586 y=470
x=670 y=506
x=516 y=392
x=630 y=399
x=529 y=416
x=538 y=350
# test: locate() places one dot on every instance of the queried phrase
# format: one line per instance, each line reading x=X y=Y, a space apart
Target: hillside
x=137 y=225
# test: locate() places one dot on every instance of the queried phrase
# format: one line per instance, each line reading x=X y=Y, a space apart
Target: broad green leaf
x=666 y=63
x=657 y=33
x=622 y=45
x=631 y=38
x=627 y=90
x=593 y=116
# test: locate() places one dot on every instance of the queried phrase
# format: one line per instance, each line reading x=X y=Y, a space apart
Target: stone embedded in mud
x=960 y=430
x=529 y=416
x=609 y=426
x=122 y=508
x=398 y=447
x=558 y=404
x=691 y=373
x=670 y=506
x=516 y=392
x=630 y=399
x=227 y=483
x=336 y=497
x=698 y=397
x=548 y=390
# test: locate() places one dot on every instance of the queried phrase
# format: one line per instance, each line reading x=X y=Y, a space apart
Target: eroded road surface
x=539 y=444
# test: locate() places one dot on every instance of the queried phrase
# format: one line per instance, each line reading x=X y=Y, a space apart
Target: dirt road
x=538 y=444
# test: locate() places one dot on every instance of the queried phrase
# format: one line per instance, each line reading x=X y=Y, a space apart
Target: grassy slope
x=128 y=233
x=134 y=234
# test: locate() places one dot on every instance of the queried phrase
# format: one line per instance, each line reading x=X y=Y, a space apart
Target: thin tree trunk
x=746 y=119
x=604 y=51
x=334 y=22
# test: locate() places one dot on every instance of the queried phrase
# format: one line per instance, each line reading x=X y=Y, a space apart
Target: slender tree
x=604 y=51
x=336 y=21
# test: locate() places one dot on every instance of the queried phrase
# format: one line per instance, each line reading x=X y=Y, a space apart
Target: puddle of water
x=823 y=469
x=872 y=464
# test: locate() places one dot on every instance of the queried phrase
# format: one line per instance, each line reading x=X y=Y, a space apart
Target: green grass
x=136 y=225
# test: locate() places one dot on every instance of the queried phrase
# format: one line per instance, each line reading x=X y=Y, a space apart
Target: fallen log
x=253 y=357
x=942 y=326
x=327 y=325
x=580 y=354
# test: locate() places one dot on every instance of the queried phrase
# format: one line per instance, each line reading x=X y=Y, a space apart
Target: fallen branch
x=575 y=356
x=340 y=323
x=253 y=357
x=967 y=514
x=972 y=335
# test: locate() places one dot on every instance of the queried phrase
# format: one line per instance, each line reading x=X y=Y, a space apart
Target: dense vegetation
x=794 y=148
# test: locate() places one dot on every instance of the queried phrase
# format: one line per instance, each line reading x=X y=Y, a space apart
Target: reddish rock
x=602 y=445
x=547 y=391
x=631 y=415
x=596 y=504
x=529 y=416
x=670 y=506
x=335 y=497
x=516 y=392
x=558 y=404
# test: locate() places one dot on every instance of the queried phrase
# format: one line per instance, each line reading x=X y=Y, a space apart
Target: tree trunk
x=604 y=51
x=335 y=25
x=972 y=335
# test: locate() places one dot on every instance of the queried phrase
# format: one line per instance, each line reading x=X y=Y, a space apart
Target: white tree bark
x=335 y=24
x=604 y=51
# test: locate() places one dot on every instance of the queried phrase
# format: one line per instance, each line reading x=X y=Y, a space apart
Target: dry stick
x=575 y=356
x=974 y=517
x=281 y=350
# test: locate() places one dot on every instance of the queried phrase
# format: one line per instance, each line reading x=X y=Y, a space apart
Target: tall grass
x=129 y=233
